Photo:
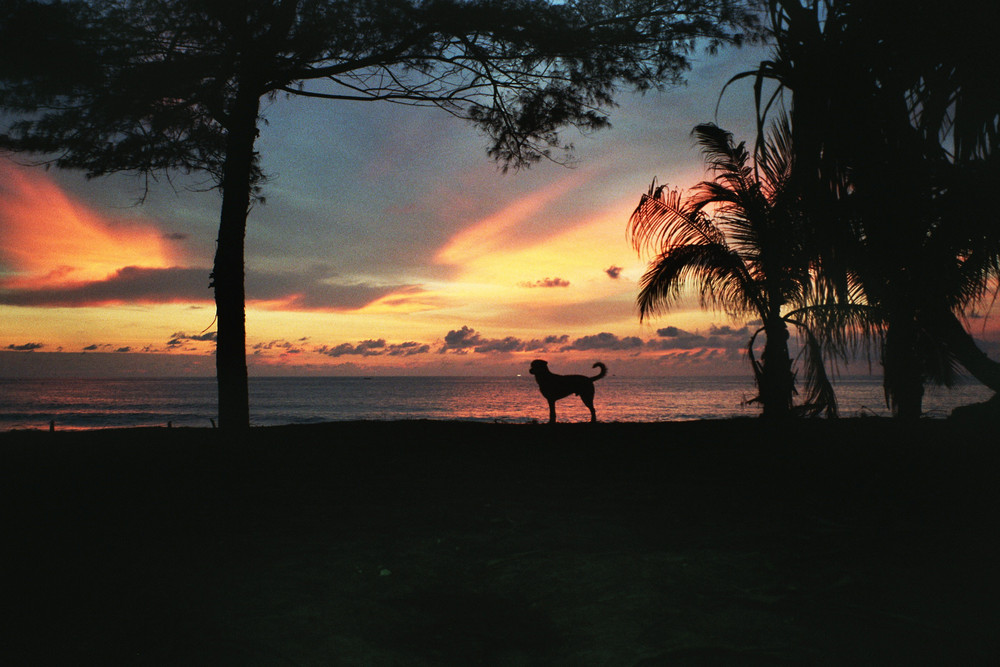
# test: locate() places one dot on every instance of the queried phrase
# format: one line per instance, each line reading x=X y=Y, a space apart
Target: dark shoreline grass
x=858 y=541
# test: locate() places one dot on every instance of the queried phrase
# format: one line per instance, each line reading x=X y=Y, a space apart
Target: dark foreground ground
x=858 y=542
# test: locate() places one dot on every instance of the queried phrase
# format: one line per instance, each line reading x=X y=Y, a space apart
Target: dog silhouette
x=554 y=386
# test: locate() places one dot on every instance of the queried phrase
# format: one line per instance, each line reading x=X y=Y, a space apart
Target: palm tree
x=895 y=133
x=739 y=239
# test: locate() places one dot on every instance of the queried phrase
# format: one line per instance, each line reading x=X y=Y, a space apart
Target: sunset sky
x=389 y=244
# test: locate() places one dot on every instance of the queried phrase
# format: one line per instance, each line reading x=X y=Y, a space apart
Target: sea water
x=81 y=404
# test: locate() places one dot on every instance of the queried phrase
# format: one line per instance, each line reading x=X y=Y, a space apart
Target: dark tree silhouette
x=895 y=112
x=741 y=242
x=159 y=85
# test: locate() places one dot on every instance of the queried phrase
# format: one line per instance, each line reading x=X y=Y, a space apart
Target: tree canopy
x=150 y=85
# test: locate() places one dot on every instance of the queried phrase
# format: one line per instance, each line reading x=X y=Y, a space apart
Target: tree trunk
x=903 y=376
x=777 y=384
x=228 y=273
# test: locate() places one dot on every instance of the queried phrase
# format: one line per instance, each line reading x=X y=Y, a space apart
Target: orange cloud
x=50 y=240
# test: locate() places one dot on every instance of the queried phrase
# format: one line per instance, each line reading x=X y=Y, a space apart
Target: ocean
x=85 y=404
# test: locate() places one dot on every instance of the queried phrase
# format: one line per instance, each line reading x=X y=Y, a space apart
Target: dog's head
x=539 y=366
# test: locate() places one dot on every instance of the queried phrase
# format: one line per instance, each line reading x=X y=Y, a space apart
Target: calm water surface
x=192 y=402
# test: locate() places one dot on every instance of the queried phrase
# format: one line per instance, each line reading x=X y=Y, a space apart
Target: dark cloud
x=546 y=282
x=508 y=344
x=409 y=348
x=124 y=349
x=93 y=347
x=605 y=341
x=729 y=332
x=545 y=343
x=722 y=341
x=461 y=339
x=127 y=285
x=181 y=336
x=270 y=345
x=614 y=272
x=366 y=348
x=26 y=347
x=466 y=340
x=673 y=338
x=176 y=236
x=312 y=289
x=283 y=346
x=374 y=348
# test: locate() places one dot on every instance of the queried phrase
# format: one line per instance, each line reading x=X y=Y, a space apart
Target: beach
x=716 y=542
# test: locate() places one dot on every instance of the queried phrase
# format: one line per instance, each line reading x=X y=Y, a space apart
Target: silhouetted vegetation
x=742 y=242
x=894 y=111
x=155 y=86
x=884 y=203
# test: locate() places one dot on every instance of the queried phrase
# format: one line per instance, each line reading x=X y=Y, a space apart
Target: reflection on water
x=192 y=402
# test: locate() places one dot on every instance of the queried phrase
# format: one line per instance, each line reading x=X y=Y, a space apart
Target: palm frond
x=820 y=396
x=728 y=161
x=775 y=157
x=842 y=328
x=663 y=219
x=719 y=275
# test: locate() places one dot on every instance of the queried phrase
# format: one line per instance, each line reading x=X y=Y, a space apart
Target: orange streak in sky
x=48 y=239
x=499 y=231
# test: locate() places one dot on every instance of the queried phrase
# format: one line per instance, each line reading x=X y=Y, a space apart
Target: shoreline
x=981 y=414
x=122 y=405
x=441 y=543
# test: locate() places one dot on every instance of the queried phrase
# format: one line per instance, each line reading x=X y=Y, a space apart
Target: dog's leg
x=588 y=400
x=552 y=411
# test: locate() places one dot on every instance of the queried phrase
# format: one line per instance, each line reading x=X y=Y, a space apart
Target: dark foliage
x=895 y=111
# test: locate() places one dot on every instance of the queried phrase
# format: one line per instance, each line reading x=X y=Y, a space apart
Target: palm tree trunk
x=228 y=273
x=903 y=377
x=777 y=384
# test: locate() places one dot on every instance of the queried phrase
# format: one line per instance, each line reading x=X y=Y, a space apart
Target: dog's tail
x=604 y=371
